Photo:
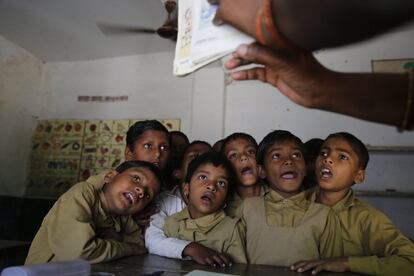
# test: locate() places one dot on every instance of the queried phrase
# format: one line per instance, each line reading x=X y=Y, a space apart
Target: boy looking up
x=372 y=243
x=92 y=220
x=172 y=202
x=207 y=185
x=240 y=149
x=283 y=227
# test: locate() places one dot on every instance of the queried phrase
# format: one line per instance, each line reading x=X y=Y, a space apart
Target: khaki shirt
x=372 y=242
x=234 y=203
x=68 y=230
x=282 y=231
x=216 y=231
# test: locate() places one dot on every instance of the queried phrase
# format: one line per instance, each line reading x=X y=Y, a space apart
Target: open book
x=199 y=41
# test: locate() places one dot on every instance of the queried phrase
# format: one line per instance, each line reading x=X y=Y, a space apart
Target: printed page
x=199 y=41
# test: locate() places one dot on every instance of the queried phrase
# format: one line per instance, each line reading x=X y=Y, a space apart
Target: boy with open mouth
x=208 y=183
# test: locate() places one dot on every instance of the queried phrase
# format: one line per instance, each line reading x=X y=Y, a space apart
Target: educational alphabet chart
x=65 y=152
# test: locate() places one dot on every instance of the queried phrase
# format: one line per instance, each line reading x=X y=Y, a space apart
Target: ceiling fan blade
x=119 y=29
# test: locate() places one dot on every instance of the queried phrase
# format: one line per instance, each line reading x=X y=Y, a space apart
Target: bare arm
x=300 y=77
x=312 y=25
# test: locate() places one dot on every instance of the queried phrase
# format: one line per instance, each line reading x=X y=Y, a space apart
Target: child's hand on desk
x=206 y=256
x=108 y=233
x=143 y=217
x=338 y=264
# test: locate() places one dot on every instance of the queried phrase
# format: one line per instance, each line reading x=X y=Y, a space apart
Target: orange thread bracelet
x=259 y=31
x=271 y=27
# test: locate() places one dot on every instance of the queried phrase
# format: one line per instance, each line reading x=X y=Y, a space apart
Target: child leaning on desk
x=209 y=182
x=92 y=220
x=372 y=243
x=283 y=226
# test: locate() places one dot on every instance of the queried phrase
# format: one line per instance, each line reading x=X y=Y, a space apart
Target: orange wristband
x=270 y=27
x=259 y=32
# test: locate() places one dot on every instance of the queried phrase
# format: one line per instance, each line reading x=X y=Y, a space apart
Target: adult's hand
x=299 y=76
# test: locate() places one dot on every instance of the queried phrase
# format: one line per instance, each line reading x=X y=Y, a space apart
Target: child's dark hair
x=312 y=147
x=141 y=164
x=235 y=136
x=276 y=136
x=357 y=146
x=216 y=159
x=178 y=133
x=138 y=128
x=198 y=142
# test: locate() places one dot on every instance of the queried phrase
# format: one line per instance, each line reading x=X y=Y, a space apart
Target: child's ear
x=186 y=189
x=360 y=177
x=262 y=173
x=109 y=176
x=177 y=174
x=128 y=154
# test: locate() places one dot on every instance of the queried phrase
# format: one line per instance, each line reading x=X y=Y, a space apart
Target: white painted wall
x=209 y=108
x=31 y=90
x=20 y=99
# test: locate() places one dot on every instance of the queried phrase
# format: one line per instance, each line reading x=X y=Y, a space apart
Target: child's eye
x=202 y=177
x=297 y=155
x=136 y=178
x=221 y=183
x=147 y=146
x=147 y=196
x=323 y=153
x=165 y=148
x=343 y=157
x=276 y=156
x=232 y=156
x=251 y=152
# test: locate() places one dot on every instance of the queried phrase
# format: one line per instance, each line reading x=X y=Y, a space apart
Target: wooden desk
x=147 y=264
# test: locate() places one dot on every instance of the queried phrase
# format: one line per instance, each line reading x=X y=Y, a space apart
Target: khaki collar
x=203 y=224
x=345 y=202
x=299 y=200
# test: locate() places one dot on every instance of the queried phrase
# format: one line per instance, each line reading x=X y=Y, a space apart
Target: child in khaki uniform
x=372 y=244
x=283 y=227
x=240 y=149
x=92 y=220
x=208 y=183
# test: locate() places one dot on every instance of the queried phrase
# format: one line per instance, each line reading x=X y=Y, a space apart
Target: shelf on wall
x=387 y=193
x=390 y=149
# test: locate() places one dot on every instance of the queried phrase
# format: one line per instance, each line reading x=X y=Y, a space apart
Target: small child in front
x=208 y=183
x=283 y=227
x=92 y=220
x=372 y=243
x=171 y=202
x=240 y=149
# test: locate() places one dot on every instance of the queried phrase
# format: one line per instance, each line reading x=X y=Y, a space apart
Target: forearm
x=374 y=265
x=105 y=250
x=157 y=243
x=373 y=97
x=312 y=25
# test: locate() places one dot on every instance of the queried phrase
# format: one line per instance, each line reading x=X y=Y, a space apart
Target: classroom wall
x=208 y=104
x=32 y=90
x=20 y=99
